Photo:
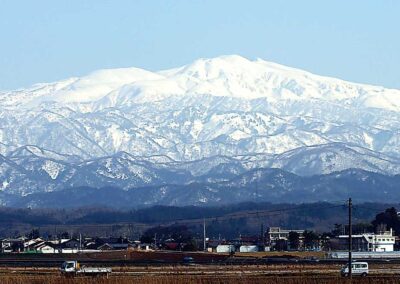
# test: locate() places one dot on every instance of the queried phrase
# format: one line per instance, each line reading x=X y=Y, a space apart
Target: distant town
x=275 y=239
x=379 y=236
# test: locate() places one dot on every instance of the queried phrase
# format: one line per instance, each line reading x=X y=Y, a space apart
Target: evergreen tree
x=34 y=234
x=294 y=240
x=388 y=218
x=310 y=239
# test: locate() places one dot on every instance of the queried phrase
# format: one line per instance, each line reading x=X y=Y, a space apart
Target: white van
x=357 y=269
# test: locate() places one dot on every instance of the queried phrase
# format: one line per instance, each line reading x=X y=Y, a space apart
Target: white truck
x=73 y=268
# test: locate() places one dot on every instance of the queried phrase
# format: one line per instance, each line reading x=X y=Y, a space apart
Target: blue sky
x=47 y=40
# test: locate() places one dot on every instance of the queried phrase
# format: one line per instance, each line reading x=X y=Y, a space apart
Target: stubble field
x=204 y=274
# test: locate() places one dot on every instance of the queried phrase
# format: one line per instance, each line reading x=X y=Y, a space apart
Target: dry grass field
x=299 y=254
x=204 y=274
x=182 y=279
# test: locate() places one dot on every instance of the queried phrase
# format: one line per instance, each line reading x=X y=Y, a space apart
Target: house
x=30 y=244
x=38 y=245
x=12 y=245
x=45 y=247
x=381 y=242
x=117 y=246
x=90 y=245
x=249 y=240
x=105 y=246
x=145 y=246
x=171 y=245
x=276 y=233
x=71 y=244
x=109 y=244
x=278 y=238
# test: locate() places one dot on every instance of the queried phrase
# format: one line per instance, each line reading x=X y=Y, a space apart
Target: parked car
x=188 y=260
x=357 y=269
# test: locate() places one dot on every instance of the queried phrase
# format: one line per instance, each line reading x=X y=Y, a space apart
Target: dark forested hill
x=258 y=185
x=226 y=220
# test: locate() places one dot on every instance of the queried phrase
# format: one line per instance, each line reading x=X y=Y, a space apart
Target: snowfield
x=131 y=127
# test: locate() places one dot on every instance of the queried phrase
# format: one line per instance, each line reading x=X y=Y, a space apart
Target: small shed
x=250 y=248
x=225 y=248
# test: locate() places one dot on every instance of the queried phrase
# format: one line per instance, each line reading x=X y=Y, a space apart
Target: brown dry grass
x=300 y=254
x=193 y=280
x=203 y=274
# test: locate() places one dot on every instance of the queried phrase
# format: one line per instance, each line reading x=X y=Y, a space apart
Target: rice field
x=204 y=274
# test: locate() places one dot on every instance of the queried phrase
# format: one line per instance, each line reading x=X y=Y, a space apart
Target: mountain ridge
x=27 y=172
x=257 y=185
x=101 y=83
x=186 y=122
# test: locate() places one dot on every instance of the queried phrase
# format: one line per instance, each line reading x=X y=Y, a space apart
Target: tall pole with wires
x=350 y=240
x=204 y=235
x=262 y=234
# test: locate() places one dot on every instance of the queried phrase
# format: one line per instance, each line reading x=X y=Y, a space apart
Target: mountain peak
x=230 y=76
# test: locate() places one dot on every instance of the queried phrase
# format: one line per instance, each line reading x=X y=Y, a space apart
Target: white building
x=381 y=242
x=277 y=233
x=250 y=248
x=225 y=248
x=45 y=248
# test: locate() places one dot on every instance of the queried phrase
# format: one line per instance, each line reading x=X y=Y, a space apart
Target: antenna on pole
x=350 y=240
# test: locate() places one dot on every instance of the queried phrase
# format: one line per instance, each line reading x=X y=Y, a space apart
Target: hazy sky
x=44 y=41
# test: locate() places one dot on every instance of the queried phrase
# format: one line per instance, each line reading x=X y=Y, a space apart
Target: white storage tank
x=248 y=248
x=225 y=248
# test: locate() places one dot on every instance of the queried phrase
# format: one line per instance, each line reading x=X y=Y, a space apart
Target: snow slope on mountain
x=334 y=157
x=226 y=76
x=77 y=90
x=203 y=121
x=273 y=185
x=30 y=169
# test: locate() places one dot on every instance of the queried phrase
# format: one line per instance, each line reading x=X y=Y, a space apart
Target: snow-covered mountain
x=211 y=120
x=274 y=185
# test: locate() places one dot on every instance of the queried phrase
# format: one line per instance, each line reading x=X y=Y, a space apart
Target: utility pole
x=262 y=234
x=350 y=241
x=256 y=197
x=204 y=234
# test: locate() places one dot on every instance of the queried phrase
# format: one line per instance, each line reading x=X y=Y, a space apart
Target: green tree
x=17 y=246
x=361 y=228
x=326 y=241
x=388 y=218
x=64 y=235
x=146 y=239
x=34 y=234
x=310 y=239
x=280 y=245
x=338 y=230
x=294 y=240
x=191 y=245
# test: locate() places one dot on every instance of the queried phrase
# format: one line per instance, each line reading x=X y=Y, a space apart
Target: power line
x=256 y=214
x=369 y=208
